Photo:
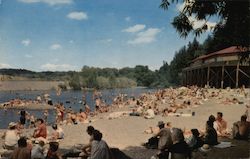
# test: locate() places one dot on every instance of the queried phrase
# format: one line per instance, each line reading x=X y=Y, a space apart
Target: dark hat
x=195 y=132
x=160 y=123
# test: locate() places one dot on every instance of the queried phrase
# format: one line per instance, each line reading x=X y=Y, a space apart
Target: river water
x=74 y=97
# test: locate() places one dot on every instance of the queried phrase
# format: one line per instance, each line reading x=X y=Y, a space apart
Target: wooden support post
x=237 y=75
x=222 y=76
x=208 y=72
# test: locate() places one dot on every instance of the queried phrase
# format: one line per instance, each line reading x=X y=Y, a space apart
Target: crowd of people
x=167 y=139
x=176 y=142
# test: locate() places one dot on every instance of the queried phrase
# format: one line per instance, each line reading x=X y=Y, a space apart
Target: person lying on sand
x=156 y=130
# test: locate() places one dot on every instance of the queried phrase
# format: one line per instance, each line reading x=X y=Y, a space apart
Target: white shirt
x=37 y=152
x=99 y=150
x=150 y=113
x=60 y=132
x=11 y=138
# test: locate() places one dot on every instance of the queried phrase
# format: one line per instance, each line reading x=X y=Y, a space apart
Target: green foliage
x=74 y=82
x=102 y=82
x=233 y=16
x=144 y=76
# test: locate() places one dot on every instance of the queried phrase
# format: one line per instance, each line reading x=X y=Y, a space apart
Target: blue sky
x=58 y=35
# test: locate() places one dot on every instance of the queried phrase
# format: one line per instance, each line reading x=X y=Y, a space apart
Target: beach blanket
x=224 y=145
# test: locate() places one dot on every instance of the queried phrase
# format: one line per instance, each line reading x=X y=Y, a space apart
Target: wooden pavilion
x=219 y=69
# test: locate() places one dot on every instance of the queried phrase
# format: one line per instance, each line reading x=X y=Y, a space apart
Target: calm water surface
x=73 y=96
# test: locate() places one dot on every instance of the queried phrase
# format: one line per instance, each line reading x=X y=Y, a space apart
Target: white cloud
x=78 y=16
x=55 y=47
x=127 y=19
x=50 y=2
x=57 y=67
x=135 y=28
x=28 y=56
x=26 y=42
x=4 y=65
x=144 y=37
x=106 y=40
x=200 y=23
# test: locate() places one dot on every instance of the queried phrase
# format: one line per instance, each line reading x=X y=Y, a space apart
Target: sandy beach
x=31 y=106
x=127 y=132
x=28 y=85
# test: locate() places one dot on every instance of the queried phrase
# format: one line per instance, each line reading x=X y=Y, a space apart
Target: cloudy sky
x=65 y=35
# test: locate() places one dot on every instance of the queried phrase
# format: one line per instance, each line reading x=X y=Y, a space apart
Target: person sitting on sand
x=57 y=132
x=210 y=137
x=156 y=130
x=165 y=140
x=11 y=137
x=53 y=151
x=194 y=141
x=150 y=114
x=99 y=148
x=22 y=152
x=86 y=149
x=81 y=116
x=41 y=130
x=247 y=112
x=241 y=129
x=221 y=125
x=38 y=150
x=180 y=148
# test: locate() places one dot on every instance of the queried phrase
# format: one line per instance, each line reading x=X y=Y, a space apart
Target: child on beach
x=52 y=152
x=38 y=150
x=22 y=152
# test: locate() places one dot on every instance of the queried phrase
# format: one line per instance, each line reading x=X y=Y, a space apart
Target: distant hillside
x=23 y=74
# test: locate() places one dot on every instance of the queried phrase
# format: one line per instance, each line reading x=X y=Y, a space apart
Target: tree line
x=169 y=74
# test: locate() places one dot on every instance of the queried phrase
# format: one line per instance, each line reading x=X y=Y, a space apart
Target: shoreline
x=29 y=107
x=127 y=132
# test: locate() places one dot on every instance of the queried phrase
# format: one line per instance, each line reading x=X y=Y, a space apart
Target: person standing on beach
x=45 y=115
x=23 y=117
